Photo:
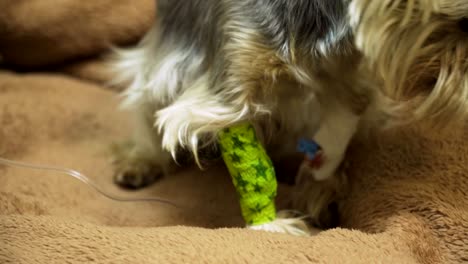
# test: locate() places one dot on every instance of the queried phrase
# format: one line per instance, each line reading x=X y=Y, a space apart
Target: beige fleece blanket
x=408 y=201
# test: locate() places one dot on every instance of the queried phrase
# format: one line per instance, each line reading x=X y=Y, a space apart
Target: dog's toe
x=134 y=169
x=296 y=226
x=134 y=180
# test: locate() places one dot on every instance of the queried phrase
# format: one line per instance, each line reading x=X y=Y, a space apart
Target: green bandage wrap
x=252 y=173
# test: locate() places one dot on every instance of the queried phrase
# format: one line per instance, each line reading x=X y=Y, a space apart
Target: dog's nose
x=464 y=24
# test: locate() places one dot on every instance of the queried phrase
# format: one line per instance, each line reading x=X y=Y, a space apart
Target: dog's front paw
x=133 y=169
x=320 y=199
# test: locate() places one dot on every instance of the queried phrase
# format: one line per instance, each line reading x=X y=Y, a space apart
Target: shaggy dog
x=415 y=61
x=294 y=69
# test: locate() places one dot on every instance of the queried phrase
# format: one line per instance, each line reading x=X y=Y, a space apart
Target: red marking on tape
x=317 y=162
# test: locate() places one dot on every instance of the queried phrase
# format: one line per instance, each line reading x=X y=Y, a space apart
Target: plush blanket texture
x=408 y=201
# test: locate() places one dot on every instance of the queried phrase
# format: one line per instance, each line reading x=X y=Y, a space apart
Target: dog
x=298 y=69
x=414 y=61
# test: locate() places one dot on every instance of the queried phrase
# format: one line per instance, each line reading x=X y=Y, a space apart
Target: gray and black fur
x=286 y=66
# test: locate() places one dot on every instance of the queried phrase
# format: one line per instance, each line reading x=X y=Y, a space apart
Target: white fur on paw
x=292 y=226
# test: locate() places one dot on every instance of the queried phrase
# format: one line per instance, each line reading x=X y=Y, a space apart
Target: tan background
x=408 y=201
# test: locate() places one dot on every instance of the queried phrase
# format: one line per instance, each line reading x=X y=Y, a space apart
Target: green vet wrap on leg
x=252 y=173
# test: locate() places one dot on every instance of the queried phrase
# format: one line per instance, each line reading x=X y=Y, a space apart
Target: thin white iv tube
x=83 y=178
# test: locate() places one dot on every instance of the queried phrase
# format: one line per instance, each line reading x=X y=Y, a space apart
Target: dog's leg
x=320 y=199
x=155 y=72
x=338 y=126
x=141 y=161
x=318 y=188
